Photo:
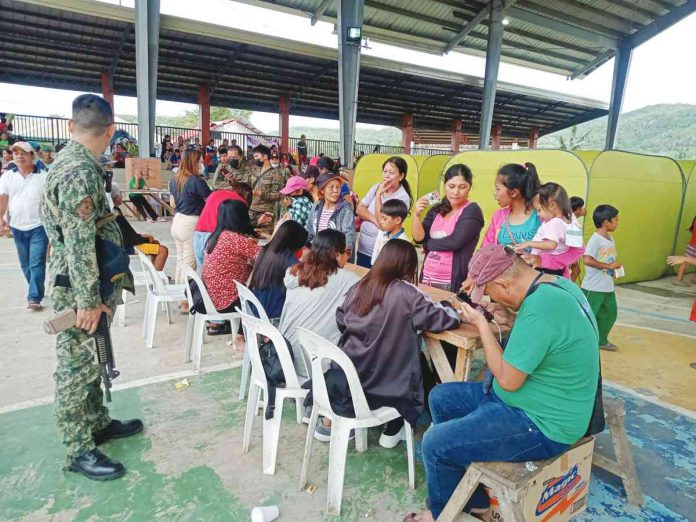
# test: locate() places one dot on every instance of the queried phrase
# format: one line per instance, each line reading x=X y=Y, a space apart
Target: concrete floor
x=188 y=464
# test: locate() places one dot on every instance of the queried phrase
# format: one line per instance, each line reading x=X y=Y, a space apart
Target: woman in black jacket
x=450 y=231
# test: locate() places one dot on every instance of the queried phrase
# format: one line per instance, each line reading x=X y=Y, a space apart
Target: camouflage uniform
x=268 y=182
x=242 y=174
x=76 y=178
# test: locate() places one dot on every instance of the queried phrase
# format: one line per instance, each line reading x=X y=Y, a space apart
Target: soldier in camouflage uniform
x=234 y=170
x=266 y=182
x=74 y=201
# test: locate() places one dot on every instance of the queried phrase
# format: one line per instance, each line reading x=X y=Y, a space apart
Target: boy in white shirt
x=600 y=266
x=392 y=215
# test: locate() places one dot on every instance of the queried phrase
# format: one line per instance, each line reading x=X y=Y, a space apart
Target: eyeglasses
x=347 y=251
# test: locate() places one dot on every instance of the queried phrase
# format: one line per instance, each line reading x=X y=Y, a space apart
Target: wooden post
x=496 y=132
x=284 y=114
x=107 y=86
x=407 y=133
x=456 y=135
x=533 y=137
x=204 y=108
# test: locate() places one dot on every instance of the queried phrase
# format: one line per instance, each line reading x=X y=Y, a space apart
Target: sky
x=658 y=73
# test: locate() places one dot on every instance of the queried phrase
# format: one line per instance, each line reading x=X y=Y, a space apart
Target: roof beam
x=477 y=19
x=316 y=15
x=601 y=27
x=561 y=27
x=590 y=66
x=662 y=22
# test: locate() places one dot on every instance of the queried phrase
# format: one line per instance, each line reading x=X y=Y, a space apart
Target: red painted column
x=284 y=113
x=107 y=86
x=496 y=132
x=456 y=135
x=533 y=137
x=204 y=112
x=407 y=133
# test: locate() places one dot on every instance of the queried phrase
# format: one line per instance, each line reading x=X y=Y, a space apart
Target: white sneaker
x=391 y=441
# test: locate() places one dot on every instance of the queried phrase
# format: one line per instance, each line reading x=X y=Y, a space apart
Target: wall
x=647 y=190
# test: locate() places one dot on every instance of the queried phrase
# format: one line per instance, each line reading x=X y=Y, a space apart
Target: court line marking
x=649 y=398
x=650 y=314
x=127 y=385
x=656 y=330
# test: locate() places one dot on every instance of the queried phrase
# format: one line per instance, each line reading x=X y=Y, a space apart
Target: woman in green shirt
x=143 y=206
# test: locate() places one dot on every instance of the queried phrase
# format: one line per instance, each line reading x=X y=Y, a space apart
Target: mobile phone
x=464 y=298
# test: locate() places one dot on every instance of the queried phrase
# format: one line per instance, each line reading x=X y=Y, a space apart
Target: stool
x=521 y=489
x=623 y=467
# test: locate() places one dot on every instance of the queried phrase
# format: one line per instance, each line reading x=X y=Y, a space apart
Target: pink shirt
x=552 y=230
x=437 y=267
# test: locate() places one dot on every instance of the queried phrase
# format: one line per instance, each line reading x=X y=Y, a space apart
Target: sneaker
x=307 y=414
x=391 y=441
x=35 y=305
x=323 y=433
x=609 y=347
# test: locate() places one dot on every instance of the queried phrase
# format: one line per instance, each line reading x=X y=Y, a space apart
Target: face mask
x=274 y=165
x=258 y=163
x=234 y=163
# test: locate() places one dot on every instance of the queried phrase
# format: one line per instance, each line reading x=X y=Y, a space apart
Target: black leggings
x=143 y=206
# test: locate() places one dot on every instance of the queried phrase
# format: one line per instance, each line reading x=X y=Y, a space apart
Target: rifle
x=104 y=349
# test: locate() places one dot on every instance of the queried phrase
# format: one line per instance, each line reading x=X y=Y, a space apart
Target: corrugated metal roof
x=69 y=43
x=570 y=37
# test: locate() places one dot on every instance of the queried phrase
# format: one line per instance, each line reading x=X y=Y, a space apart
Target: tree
x=574 y=142
x=189 y=119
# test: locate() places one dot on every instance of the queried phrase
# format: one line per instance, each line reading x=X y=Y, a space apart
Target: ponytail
x=523 y=178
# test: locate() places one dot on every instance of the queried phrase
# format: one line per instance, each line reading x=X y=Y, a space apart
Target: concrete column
x=456 y=135
x=622 y=63
x=146 y=58
x=495 y=42
x=204 y=113
x=107 y=88
x=533 y=137
x=350 y=14
x=407 y=133
x=495 y=137
x=284 y=115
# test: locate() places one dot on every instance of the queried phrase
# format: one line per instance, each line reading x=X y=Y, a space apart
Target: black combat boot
x=118 y=430
x=94 y=465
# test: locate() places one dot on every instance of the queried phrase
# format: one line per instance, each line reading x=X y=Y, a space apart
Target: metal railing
x=54 y=130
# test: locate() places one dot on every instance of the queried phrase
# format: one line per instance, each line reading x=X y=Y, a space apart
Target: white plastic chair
x=157 y=292
x=320 y=349
x=247 y=298
x=253 y=328
x=195 y=329
x=139 y=279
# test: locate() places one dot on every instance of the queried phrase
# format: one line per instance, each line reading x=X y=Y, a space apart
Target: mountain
x=666 y=129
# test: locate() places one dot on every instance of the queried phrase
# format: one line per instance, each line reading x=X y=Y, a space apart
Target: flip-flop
x=410 y=517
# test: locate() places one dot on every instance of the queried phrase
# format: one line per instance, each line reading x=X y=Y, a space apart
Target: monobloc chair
x=249 y=301
x=319 y=349
x=139 y=279
x=158 y=291
x=195 y=329
x=255 y=328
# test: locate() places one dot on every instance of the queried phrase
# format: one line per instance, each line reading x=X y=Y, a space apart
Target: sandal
x=224 y=329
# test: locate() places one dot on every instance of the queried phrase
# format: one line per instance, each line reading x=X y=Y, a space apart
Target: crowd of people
x=290 y=234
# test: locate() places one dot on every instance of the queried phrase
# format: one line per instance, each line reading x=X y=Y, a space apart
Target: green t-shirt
x=141 y=184
x=556 y=345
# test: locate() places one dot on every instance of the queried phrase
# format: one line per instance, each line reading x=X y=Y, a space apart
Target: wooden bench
x=623 y=465
x=520 y=488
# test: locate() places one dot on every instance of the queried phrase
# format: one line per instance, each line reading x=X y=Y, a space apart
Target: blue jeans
x=472 y=426
x=31 y=247
x=199 y=241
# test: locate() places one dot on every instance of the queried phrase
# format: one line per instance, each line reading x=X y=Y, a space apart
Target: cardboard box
x=560 y=491
x=150 y=168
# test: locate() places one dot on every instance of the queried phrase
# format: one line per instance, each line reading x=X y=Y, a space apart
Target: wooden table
x=465 y=338
x=155 y=194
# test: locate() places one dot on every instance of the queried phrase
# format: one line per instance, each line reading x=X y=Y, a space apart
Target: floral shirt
x=229 y=261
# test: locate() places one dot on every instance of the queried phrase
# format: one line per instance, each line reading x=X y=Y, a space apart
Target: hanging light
x=506 y=21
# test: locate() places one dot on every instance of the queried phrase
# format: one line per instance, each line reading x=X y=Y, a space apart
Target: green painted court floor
x=188 y=465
